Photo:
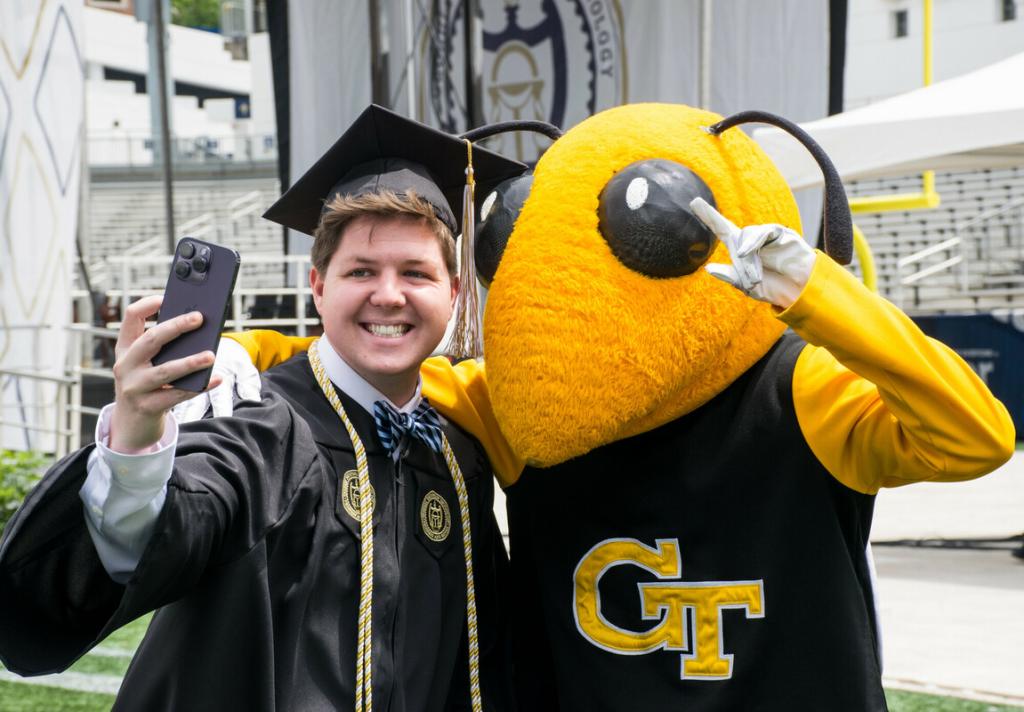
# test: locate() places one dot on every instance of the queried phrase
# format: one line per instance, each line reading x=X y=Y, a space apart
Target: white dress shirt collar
x=355 y=386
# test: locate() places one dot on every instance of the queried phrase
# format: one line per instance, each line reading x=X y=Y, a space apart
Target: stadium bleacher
x=127 y=218
x=123 y=214
x=980 y=222
x=973 y=242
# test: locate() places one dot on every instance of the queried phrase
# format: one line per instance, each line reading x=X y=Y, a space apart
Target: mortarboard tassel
x=467 y=334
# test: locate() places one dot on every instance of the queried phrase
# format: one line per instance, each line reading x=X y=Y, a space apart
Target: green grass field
x=15 y=697
x=19 y=697
x=115 y=652
x=109 y=660
x=912 y=702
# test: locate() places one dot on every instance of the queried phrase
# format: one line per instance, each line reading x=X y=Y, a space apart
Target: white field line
x=107 y=652
x=893 y=683
x=108 y=684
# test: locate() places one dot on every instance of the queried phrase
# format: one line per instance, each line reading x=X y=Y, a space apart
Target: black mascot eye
x=497 y=218
x=645 y=217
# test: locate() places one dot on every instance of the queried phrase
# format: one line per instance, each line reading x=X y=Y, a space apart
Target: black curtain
x=837 y=10
x=277 y=25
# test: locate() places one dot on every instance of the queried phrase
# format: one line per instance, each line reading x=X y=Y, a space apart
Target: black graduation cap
x=383 y=150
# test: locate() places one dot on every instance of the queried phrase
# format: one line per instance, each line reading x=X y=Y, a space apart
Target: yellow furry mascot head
x=601 y=322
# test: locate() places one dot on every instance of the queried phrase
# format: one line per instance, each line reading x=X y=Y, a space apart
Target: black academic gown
x=253 y=568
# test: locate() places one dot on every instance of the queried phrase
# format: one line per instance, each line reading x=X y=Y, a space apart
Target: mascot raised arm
x=689 y=528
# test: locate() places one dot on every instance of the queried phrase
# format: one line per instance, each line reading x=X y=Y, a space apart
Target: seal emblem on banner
x=351 y=497
x=435 y=517
x=543 y=60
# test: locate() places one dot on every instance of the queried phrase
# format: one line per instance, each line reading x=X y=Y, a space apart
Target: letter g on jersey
x=665 y=601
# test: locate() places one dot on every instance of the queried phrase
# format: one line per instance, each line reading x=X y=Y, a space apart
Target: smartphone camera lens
x=199 y=264
x=187 y=249
x=182 y=269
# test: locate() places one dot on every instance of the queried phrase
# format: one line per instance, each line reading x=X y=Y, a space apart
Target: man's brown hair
x=343 y=209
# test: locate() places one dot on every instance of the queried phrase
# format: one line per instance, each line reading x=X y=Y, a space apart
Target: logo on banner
x=549 y=60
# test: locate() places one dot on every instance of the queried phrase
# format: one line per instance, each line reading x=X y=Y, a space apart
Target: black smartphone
x=202 y=278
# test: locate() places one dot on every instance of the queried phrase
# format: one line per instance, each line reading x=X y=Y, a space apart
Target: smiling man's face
x=385 y=300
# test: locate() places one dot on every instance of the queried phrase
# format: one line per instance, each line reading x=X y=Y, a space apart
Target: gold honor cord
x=365 y=638
x=467 y=550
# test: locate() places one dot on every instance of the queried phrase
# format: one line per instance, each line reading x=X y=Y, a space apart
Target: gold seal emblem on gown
x=435 y=517
x=351 y=498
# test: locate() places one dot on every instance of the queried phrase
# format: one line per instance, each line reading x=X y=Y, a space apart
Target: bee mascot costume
x=689 y=529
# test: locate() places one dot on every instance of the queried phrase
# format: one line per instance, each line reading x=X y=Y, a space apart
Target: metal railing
x=952 y=246
x=245 y=205
x=202 y=226
x=65 y=428
x=63 y=424
x=136 y=149
x=989 y=252
x=237 y=219
x=243 y=211
x=978 y=259
x=130 y=287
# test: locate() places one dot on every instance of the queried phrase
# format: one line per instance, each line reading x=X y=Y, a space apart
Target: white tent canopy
x=969 y=122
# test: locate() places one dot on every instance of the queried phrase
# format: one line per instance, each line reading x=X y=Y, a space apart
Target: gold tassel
x=467 y=334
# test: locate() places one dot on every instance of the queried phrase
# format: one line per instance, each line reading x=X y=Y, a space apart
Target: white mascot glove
x=769 y=262
x=239 y=376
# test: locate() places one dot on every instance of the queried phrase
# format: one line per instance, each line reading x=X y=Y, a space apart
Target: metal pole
x=1020 y=234
x=300 y=300
x=927 y=43
x=704 y=88
x=89 y=307
x=160 y=30
x=410 y=60
x=927 y=177
x=75 y=373
x=62 y=437
x=473 y=65
x=125 y=301
x=378 y=60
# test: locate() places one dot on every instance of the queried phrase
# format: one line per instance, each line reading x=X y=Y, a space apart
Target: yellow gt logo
x=666 y=601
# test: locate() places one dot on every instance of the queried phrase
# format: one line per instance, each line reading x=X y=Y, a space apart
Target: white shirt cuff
x=123 y=496
x=144 y=468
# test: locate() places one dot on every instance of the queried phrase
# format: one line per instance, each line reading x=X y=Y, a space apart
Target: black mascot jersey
x=725 y=581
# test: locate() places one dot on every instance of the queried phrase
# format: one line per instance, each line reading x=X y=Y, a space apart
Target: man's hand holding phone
x=142 y=394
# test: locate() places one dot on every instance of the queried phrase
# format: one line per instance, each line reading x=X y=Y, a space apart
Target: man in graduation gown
x=262 y=539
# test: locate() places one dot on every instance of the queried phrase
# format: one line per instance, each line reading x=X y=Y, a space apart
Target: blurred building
x=884 y=39
x=222 y=107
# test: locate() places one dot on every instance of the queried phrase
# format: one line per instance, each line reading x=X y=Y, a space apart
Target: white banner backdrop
x=770 y=55
x=329 y=47
x=552 y=60
x=329 y=79
x=41 y=124
x=563 y=60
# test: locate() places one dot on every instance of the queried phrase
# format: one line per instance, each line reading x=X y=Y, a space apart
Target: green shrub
x=19 y=471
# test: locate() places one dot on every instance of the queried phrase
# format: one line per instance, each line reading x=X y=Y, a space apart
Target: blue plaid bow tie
x=422 y=424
